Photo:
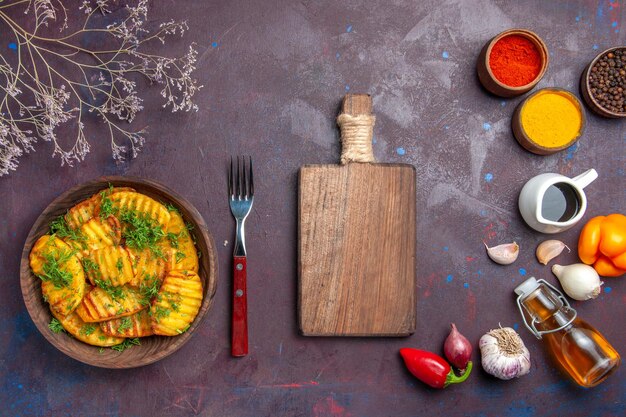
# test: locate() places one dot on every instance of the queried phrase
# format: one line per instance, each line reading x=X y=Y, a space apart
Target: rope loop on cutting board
x=356 y=137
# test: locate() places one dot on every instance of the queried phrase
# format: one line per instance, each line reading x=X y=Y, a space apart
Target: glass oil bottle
x=579 y=348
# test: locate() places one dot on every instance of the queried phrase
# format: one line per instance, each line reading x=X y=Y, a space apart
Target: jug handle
x=585 y=178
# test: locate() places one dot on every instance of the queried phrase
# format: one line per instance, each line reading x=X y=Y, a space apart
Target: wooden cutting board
x=357 y=237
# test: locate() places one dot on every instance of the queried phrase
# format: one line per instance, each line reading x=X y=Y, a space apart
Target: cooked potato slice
x=128 y=201
x=100 y=233
x=147 y=266
x=61 y=274
x=106 y=304
x=177 y=303
x=137 y=325
x=45 y=245
x=86 y=332
x=96 y=233
x=67 y=299
x=110 y=265
x=87 y=209
x=81 y=212
x=179 y=240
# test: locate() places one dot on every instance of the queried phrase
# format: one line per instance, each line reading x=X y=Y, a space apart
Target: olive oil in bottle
x=575 y=345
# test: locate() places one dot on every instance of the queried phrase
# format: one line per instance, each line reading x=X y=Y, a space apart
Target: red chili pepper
x=432 y=369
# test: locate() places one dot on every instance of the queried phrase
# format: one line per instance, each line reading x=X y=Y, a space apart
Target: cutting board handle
x=356 y=123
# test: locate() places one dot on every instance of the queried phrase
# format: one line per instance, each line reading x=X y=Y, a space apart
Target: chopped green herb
x=173 y=300
x=119 y=265
x=114 y=292
x=160 y=312
x=102 y=338
x=171 y=207
x=56 y=326
x=127 y=343
x=60 y=228
x=106 y=207
x=191 y=235
x=106 y=204
x=87 y=329
x=142 y=232
x=126 y=324
x=189 y=227
x=53 y=270
x=173 y=238
x=101 y=350
x=149 y=288
x=180 y=256
x=120 y=311
x=181 y=331
x=90 y=266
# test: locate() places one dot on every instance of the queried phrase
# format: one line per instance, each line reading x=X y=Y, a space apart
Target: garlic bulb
x=550 y=249
x=579 y=281
x=504 y=254
x=503 y=354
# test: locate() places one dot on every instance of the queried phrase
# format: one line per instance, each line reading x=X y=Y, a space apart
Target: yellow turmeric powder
x=552 y=118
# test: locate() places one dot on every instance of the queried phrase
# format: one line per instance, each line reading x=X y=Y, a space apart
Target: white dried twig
x=39 y=93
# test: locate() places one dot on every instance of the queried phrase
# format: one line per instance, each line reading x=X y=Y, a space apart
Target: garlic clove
x=581 y=282
x=550 y=249
x=504 y=254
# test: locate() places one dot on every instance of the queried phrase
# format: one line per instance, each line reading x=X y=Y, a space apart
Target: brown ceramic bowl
x=489 y=81
x=152 y=348
x=585 y=89
x=529 y=144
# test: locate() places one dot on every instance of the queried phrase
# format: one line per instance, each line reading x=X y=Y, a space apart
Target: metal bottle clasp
x=532 y=326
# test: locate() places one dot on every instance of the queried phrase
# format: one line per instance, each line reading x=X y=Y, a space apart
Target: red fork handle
x=239 y=345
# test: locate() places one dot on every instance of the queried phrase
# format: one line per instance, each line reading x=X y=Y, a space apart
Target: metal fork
x=241 y=197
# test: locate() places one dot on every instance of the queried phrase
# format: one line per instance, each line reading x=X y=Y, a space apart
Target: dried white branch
x=40 y=93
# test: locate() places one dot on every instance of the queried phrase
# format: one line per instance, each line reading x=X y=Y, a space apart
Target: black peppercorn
x=607 y=81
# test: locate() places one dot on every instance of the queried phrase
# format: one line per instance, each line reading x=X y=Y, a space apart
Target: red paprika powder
x=515 y=61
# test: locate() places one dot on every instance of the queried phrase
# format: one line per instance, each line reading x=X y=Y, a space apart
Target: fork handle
x=239 y=345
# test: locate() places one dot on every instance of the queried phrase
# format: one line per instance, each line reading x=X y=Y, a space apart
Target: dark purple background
x=274 y=74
